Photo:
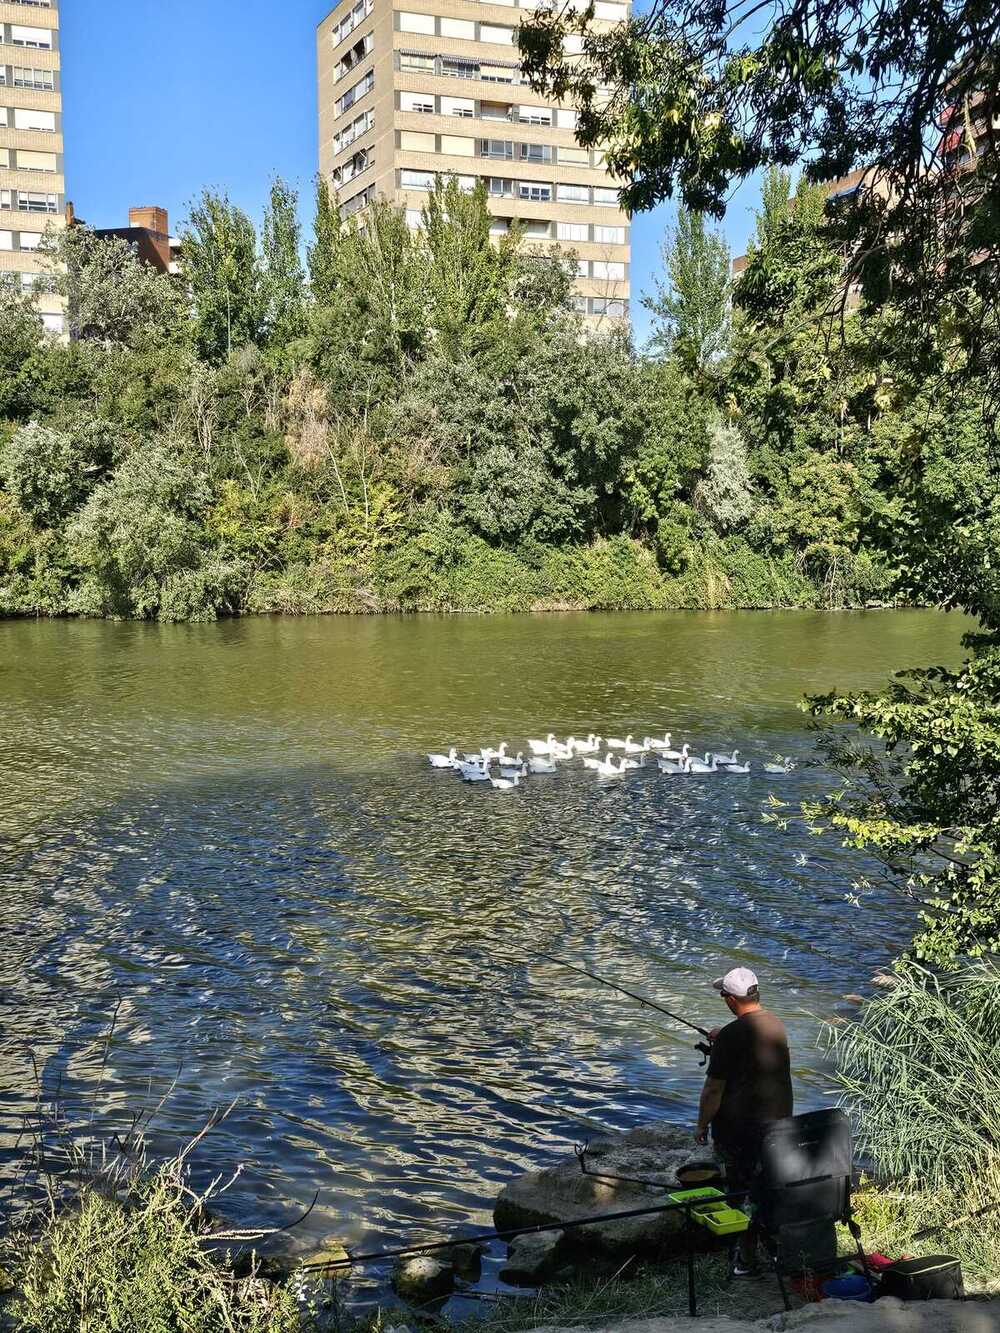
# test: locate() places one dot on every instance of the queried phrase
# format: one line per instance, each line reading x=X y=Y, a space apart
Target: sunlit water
x=231 y=833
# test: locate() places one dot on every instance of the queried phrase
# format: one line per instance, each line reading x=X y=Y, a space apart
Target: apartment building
x=411 y=89
x=32 y=186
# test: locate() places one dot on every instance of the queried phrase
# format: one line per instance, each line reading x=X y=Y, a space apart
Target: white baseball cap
x=738 y=983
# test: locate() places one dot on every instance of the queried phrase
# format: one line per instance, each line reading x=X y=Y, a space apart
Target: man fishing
x=747 y=1087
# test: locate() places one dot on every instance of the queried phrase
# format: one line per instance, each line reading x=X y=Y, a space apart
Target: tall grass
x=920 y=1070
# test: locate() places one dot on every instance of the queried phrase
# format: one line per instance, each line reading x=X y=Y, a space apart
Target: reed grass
x=920 y=1072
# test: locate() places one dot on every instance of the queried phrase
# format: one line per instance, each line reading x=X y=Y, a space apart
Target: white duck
x=613 y=743
x=470 y=773
x=670 y=766
x=779 y=769
x=541 y=766
x=607 y=769
x=543 y=748
x=709 y=765
x=505 y=784
x=559 y=751
x=679 y=755
x=514 y=768
x=728 y=759
x=486 y=755
x=632 y=747
x=735 y=768
x=448 y=760
x=590 y=746
x=651 y=743
x=627 y=764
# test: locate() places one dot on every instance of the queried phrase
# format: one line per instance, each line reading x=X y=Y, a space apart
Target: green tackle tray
x=711 y=1210
x=706 y=1194
x=724 y=1221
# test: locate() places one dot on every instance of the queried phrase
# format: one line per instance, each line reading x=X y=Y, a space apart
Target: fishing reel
x=705 y=1047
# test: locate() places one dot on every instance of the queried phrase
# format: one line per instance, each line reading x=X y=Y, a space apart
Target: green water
x=232 y=831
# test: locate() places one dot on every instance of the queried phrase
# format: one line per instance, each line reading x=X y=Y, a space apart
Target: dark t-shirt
x=751 y=1054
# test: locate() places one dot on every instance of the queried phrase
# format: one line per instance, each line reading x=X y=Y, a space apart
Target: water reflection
x=229 y=831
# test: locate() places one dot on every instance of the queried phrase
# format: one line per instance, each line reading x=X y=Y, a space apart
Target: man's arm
x=708 y=1109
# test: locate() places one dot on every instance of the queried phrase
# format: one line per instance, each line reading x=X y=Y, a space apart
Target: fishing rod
x=705 y=1047
x=571 y=1224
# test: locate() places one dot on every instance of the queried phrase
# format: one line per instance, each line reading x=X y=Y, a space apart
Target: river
x=230 y=832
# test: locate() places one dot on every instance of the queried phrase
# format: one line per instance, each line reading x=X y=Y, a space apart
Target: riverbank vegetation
x=419 y=422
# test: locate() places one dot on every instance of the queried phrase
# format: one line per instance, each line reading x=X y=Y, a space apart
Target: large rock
x=423 y=1280
x=533 y=1259
x=562 y=1193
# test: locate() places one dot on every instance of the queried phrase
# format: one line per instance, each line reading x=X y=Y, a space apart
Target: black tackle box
x=936 y=1277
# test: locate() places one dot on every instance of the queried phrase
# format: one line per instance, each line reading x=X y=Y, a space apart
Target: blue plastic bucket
x=855 y=1287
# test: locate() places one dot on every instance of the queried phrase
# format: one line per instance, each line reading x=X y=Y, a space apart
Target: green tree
x=285 y=281
x=691 y=308
x=469 y=280
x=322 y=255
x=695 y=96
x=222 y=267
x=112 y=295
x=21 y=335
x=140 y=542
x=725 y=495
x=50 y=472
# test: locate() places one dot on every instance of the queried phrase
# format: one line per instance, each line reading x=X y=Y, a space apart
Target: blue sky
x=161 y=100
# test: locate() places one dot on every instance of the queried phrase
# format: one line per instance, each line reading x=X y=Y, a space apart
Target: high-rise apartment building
x=409 y=89
x=32 y=187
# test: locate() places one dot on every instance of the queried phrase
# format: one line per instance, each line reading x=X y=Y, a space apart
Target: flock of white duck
x=621 y=757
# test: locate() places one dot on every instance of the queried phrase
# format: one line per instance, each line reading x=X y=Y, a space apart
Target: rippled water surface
x=230 y=831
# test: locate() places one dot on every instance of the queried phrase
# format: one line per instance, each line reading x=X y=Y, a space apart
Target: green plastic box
x=712 y=1211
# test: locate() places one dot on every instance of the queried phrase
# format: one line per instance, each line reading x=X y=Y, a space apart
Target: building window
x=420 y=23
x=414 y=219
x=609 y=269
x=534 y=115
x=610 y=235
x=535 y=229
x=463 y=28
x=29 y=240
x=607 y=9
x=567 y=119
x=489 y=32
x=41 y=80
x=27 y=201
x=572 y=231
x=497 y=148
x=415 y=62
x=353 y=94
x=421 y=102
x=574 y=194
x=458 y=106
x=574 y=157
x=353 y=57
x=347 y=25
x=5 y=158
x=534 y=152
x=496 y=111
x=34 y=120
x=410 y=141
x=499 y=226
x=38 y=38
x=499 y=74
x=31 y=161
x=416 y=180
x=360 y=125
x=538 y=191
x=499 y=187
x=602 y=195
x=6 y=240
x=457 y=145
x=603 y=305
x=54 y=323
